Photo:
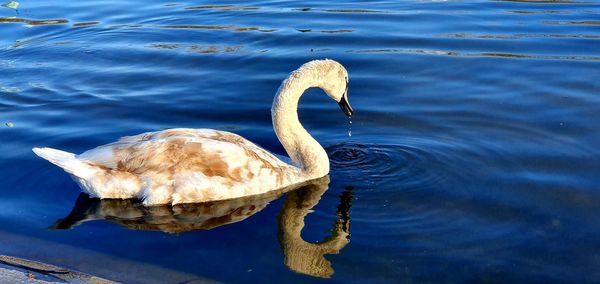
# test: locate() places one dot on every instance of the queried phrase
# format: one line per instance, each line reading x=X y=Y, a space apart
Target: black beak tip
x=345 y=106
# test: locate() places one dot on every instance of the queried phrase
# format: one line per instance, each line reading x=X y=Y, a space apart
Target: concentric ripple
x=377 y=164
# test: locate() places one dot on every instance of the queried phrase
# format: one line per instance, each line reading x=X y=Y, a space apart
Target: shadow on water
x=299 y=255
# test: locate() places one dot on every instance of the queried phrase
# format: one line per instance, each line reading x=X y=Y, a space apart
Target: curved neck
x=305 y=152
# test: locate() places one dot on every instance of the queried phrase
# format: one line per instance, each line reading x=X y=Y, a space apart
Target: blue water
x=474 y=154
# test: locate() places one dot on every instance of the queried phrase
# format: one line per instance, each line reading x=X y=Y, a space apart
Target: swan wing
x=211 y=152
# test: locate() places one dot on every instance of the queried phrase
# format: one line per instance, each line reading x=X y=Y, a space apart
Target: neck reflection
x=300 y=255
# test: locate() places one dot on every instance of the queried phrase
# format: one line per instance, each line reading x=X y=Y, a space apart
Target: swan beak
x=345 y=105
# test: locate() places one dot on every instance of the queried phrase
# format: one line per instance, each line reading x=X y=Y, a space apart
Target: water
x=473 y=154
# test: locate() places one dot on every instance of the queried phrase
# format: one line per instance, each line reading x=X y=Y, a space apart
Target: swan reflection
x=299 y=255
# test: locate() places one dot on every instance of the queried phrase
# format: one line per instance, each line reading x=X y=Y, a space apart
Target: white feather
x=67 y=161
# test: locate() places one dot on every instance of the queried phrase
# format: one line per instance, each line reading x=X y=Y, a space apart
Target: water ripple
x=221 y=27
x=547 y=1
x=408 y=166
x=572 y=22
x=474 y=148
x=33 y=22
x=195 y=48
x=86 y=24
x=522 y=36
x=478 y=54
x=338 y=10
x=222 y=8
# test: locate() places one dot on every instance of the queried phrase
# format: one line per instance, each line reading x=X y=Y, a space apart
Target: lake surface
x=474 y=153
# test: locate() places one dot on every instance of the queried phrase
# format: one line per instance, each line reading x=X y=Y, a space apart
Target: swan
x=184 y=165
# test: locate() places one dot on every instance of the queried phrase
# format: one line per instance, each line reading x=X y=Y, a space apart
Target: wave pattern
x=474 y=149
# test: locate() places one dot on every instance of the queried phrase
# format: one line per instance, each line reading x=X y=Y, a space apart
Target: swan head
x=332 y=77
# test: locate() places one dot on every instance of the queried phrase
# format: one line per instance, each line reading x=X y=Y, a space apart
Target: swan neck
x=306 y=153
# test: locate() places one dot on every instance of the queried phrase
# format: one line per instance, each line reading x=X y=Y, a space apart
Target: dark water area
x=473 y=157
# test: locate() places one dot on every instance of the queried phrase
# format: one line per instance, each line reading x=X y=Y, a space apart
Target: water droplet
x=350 y=127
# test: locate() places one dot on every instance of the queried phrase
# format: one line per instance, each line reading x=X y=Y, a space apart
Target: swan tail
x=67 y=161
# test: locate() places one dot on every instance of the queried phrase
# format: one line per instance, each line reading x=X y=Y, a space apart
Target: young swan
x=185 y=165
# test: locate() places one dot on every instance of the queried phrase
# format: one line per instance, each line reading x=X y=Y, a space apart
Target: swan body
x=185 y=165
